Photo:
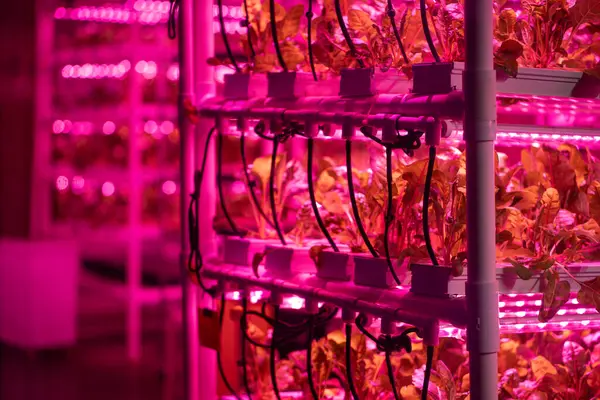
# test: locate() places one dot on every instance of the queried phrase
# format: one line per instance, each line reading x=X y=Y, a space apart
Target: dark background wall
x=17 y=68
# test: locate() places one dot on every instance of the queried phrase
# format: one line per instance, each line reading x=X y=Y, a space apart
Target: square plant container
x=278 y=261
x=357 y=82
x=240 y=251
x=430 y=280
x=537 y=82
x=236 y=86
x=370 y=271
x=334 y=266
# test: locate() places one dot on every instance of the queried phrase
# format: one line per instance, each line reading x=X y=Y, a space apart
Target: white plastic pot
x=430 y=280
x=335 y=266
x=370 y=271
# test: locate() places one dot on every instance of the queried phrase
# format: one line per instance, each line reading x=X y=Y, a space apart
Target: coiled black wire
x=344 y=28
x=390 y=371
x=349 y=375
x=274 y=34
x=427 y=375
x=389 y=215
x=219 y=361
x=248 y=28
x=251 y=182
x=309 y=17
x=311 y=383
x=172 y=21
x=359 y=225
x=272 y=352
x=392 y=14
x=195 y=261
x=426 y=32
x=224 y=37
x=272 y=192
x=220 y=184
x=313 y=201
x=245 y=379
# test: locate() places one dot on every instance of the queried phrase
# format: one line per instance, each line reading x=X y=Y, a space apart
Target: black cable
x=349 y=375
x=272 y=191
x=219 y=361
x=392 y=14
x=195 y=261
x=172 y=21
x=426 y=32
x=390 y=371
x=248 y=27
x=313 y=200
x=344 y=28
x=359 y=225
x=309 y=17
x=251 y=182
x=427 y=376
x=274 y=34
x=389 y=215
x=220 y=184
x=426 y=194
x=224 y=37
x=244 y=359
x=272 y=369
x=311 y=383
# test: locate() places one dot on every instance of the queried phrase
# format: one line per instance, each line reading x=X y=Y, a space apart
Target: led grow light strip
x=144 y=12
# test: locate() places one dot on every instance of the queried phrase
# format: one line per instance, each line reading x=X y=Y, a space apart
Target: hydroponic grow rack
x=432 y=108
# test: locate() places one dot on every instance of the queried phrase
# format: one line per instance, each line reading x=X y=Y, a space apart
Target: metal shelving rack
x=474 y=106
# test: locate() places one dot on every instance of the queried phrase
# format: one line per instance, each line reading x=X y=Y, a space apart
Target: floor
x=96 y=368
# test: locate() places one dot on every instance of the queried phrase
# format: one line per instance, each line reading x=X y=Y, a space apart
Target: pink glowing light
x=150 y=127
x=108 y=128
x=173 y=72
x=169 y=187
x=96 y=71
x=58 y=126
x=167 y=127
x=62 y=183
x=147 y=69
x=78 y=182
x=108 y=189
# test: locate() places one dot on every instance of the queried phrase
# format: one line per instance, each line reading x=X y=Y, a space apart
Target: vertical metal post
x=204 y=86
x=479 y=85
x=186 y=164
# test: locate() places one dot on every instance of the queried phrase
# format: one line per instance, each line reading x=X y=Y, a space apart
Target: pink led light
x=173 y=72
x=169 y=187
x=108 y=128
x=147 y=69
x=78 y=182
x=108 y=189
x=167 y=127
x=58 y=126
x=62 y=183
x=150 y=127
x=96 y=71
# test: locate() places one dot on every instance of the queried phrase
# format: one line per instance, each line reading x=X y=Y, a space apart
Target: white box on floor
x=38 y=293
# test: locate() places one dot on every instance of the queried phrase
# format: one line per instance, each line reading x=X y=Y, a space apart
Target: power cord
x=195 y=261
x=219 y=361
x=309 y=17
x=273 y=350
x=392 y=15
x=220 y=185
x=355 y=212
x=342 y=23
x=246 y=23
x=349 y=375
x=388 y=344
x=224 y=37
x=426 y=32
x=274 y=34
x=172 y=21
x=251 y=183
x=313 y=201
x=244 y=358
x=311 y=383
x=272 y=191
x=426 y=194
